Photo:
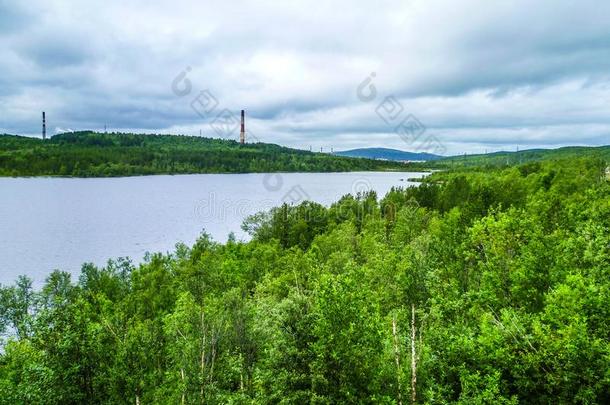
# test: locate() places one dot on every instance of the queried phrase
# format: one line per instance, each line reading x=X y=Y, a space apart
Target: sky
x=440 y=76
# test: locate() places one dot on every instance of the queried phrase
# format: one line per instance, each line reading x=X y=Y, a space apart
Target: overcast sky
x=456 y=76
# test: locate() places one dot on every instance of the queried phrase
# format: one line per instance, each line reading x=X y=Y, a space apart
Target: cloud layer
x=478 y=75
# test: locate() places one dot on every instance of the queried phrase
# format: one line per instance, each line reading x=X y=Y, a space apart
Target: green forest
x=476 y=287
x=503 y=159
x=90 y=154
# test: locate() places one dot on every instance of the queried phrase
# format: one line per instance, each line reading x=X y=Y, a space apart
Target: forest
x=476 y=287
x=503 y=159
x=90 y=154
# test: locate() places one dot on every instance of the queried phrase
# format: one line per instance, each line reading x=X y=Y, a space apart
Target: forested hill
x=388 y=154
x=504 y=159
x=477 y=287
x=90 y=154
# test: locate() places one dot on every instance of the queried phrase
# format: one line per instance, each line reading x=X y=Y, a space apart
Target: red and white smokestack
x=242 y=133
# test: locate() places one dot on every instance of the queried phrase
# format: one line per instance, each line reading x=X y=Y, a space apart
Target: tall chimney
x=242 y=133
x=44 y=126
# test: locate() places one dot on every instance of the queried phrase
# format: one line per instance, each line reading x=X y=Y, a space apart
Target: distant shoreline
x=411 y=179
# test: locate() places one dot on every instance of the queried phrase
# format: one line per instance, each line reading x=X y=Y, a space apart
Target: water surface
x=60 y=223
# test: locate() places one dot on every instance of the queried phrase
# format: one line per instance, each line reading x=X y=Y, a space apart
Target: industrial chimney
x=44 y=126
x=242 y=133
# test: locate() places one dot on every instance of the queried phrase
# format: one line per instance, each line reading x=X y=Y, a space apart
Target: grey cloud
x=13 y=17
x=479 y=74
x=56 y=51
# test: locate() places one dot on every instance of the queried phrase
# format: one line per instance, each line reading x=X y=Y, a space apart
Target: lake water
x=60 y=223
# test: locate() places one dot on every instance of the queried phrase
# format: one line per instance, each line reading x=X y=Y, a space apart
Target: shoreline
x=213 y=173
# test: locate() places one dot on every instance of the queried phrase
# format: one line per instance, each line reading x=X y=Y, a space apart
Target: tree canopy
x=478 y=286
x=90 y=154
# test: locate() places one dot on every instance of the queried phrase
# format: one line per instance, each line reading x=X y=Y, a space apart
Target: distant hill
x=496 y=159
x=388 y=154
x=90 y=154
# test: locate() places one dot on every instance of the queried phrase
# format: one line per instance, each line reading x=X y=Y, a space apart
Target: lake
x=60 y=223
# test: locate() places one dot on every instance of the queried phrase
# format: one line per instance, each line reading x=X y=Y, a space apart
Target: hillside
x=388 y=154
x=89 y=154
x=503 y=159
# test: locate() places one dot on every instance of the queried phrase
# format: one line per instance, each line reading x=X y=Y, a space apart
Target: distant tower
x=44 y=126
x=242 y=133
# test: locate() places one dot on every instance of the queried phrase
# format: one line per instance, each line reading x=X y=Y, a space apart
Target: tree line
x=89 y=154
